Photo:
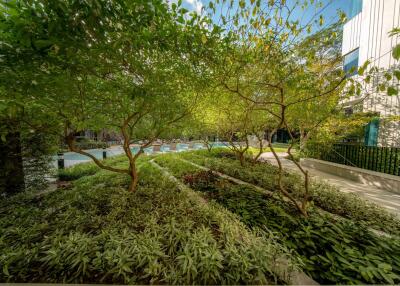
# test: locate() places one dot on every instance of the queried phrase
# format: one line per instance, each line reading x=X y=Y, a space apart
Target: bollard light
x=104 y=153
x=60 y=161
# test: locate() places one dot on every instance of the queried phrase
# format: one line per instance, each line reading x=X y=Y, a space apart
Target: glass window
x=371 y=133
x=355 y=8
x=350 y=64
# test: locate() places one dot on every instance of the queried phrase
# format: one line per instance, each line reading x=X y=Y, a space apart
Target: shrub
x=87 y=169
x=205 y=179
x=77 y=171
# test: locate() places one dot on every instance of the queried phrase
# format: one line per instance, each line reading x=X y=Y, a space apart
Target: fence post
x=369 y=158
x=396 y=162
x=386 y=160
x=104 y=153
x=60 y=160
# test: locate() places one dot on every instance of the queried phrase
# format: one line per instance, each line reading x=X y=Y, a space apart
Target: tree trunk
x=298 y=206
x=209 y=146
x=11 y=165
x=241 y=159
x=134 y=177
x=260 y=149
x=303 y=140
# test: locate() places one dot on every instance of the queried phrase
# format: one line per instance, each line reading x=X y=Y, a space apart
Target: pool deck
x=73 y=158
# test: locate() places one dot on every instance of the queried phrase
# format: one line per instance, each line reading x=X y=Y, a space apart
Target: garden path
x=388 y=200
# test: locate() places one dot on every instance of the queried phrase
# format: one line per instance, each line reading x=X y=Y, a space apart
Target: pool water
x=72 y=158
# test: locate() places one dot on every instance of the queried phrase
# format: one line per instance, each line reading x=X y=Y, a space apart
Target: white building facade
x=366 y=37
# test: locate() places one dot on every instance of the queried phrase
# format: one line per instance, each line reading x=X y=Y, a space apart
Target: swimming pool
x=72 y=158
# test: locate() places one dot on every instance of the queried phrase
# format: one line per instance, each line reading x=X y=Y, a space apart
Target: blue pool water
x=72 y=158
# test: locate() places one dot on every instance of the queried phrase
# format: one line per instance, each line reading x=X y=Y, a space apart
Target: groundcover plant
x=95 y=232
x=332 y=248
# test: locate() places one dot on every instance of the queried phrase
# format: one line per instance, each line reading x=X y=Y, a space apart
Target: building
x=366 y=37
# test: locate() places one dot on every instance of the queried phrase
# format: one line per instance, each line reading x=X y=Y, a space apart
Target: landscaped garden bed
x=323 y=195
x=96 y=232
x=333 y=249
x=75 y=74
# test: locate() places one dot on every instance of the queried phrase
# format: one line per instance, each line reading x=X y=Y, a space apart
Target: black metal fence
x=380 y=159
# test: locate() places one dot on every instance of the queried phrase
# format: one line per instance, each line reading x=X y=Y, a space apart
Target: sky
x=330 y=13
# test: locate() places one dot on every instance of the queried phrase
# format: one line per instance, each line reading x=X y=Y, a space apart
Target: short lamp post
x=60 y=160
x=104 y=153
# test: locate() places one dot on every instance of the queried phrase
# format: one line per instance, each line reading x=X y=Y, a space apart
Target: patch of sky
x=328 y=9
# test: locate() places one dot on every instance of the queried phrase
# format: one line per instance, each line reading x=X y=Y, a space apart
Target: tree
x=130 y=66
x=237 y=120
x=279 y=64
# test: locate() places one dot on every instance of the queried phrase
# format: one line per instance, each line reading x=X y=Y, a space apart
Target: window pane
x=371 y=133
x=350 y=64
x=355 y=8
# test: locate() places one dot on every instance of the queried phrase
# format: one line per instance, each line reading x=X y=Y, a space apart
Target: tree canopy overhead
x=134 y=67
x=139 y=68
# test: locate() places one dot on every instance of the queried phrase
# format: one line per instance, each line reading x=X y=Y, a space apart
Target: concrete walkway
x=388 y=200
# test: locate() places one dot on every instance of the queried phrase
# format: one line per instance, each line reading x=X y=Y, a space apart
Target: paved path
x=388 y=200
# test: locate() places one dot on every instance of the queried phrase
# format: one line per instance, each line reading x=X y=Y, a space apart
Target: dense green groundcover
x=324 y=196
x=334 y=249
x=96 y=232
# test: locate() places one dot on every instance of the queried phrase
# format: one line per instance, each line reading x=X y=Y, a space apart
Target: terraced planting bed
x=214 y=231
x=94 y=231
x=336 y=246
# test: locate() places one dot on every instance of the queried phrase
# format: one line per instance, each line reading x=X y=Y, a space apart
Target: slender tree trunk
x=303 y=140
x=306 y=196
x=283 y=190
x=11 y=165
x=134 y=177
x=208 y=144
x=260 y=149
x=241 y=158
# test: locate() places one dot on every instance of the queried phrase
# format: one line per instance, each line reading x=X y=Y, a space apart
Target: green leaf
x=396 y=52
x=362 y=69
x=397 y=74
x=5 y=270
x=388 y=76
x=321 y=20
x=392 y=91
x=41 y=44
x=203 y=39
